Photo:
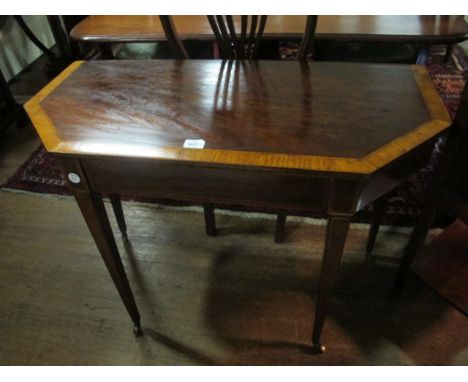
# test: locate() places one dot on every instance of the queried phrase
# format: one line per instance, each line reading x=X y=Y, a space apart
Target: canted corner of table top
x=39 y=118
x=439 y=121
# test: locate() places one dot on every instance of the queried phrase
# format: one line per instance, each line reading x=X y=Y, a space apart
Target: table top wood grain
x=346 y=117
x=408 y=28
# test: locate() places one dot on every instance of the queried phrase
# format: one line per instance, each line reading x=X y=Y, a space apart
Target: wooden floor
x=234 y=299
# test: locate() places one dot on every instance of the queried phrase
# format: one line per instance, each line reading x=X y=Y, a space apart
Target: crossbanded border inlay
x=366 y=165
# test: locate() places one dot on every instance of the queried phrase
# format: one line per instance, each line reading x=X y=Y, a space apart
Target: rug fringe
x=199 y=210
x=36 y=194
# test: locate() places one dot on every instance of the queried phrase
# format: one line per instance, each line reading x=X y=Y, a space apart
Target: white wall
x=16 y=50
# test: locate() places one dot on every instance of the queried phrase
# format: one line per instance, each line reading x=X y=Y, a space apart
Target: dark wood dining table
x=409 y=29
x=297 y=136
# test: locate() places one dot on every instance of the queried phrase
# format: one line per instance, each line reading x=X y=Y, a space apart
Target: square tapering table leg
x=94 y=213
x=337 y=230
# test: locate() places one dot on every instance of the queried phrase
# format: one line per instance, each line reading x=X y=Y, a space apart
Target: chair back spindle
x=307 y=44
x=173 y=37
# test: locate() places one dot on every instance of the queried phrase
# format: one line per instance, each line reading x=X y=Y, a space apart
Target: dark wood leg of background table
x=337 y=230
x=94 y=213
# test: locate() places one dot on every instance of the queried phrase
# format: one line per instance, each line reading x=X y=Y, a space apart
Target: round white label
x=74 y=178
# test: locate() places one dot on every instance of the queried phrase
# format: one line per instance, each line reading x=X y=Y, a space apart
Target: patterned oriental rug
x=41 y=174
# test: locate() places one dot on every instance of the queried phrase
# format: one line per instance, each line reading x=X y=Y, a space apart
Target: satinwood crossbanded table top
x=324 y=116
x=407 y=28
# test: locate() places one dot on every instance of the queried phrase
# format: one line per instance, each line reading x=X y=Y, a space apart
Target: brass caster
x=137 y=331
x=318 y=348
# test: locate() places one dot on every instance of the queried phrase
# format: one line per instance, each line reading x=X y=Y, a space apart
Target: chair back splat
x=235 y=46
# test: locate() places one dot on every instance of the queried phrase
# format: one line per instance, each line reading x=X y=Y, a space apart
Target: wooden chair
x=242 y=46
x=233 y=47
x=448 y=191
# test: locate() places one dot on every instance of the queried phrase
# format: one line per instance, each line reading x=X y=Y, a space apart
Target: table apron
x=247 y=186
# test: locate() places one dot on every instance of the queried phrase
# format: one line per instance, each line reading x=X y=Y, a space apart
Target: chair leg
x=280 y=228
x=210 y=219
x=375 y=226
x=119 y=215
